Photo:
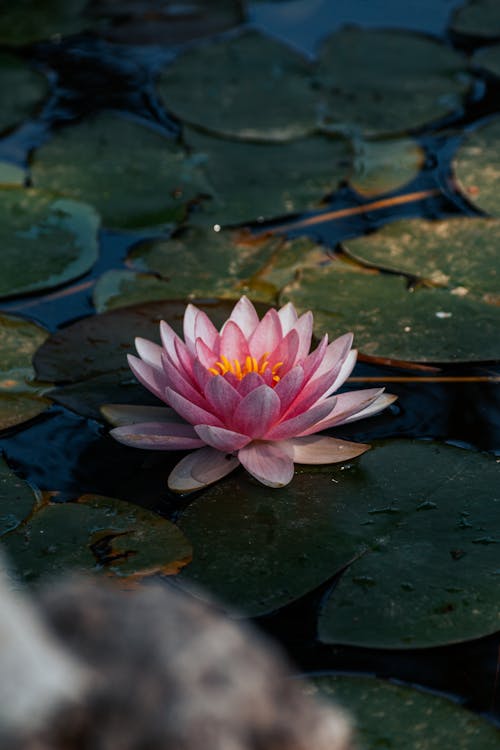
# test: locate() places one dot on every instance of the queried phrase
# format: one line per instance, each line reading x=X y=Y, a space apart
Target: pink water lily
x=249 y=394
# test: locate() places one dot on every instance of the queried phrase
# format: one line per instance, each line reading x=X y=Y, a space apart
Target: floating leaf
x=96 y=533
x=28 y=21
x=17 y=499
x=431 y=577
x=488 y=58
x=99 y=344
x=458 y=253
x=11 y=175
x=476 y=166
x=478 y=18
x=22 y=88
x=250 y=86
x=160 y=22
x=45 y=241
x=387 y=715
x=280 y=178
x=259 y=550
x=117 y=288
x=383 y=166
x=389 y=321
x=388 y=81
x=19 y=395
x=132 y=174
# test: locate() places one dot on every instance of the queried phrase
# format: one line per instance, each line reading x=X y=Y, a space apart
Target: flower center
x=251 y=364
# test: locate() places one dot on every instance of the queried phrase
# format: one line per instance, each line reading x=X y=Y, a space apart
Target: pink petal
x=233 y=343
x=285 y=352
x=201 y=375
x=180 y=384
x=335 y=355
x=149 y=352
x=320 y=449
x=289 y=386
x=185 y=357
x=159 y=436
x=386 y=399
x=151 y=378
x=249 y=383
x=168 y=337
x=268 y=463
x=222 y=397
x=288 y=317
x=256 y=412
x=304 y=327
x=204 y=329
x=188 y=326
x=313 y=360
x=221 y=439
x=208 y=357
x=345 y=370
x=267 y=335
x=310 y=395
x=245 y=316
x=190 y=412
x=298 y=425
x=199 y=469
x=347 y=405
x=125 y=414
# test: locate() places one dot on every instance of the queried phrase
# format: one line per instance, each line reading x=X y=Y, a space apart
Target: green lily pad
x=387 y=715
x=458 y=253
x=119 y=288
x=172 y=22
x=384 y=166
x=133 y=175
x=259 y=549
x=22 y=88
x=441 y=538
x=388 y=81
x=45 y=241
x=99 y=344
x=488 y=58
x=17 y=499
x=28 y=21
x=20 y=396
x=388 y=320
x=476 y=167
x=477 y=18
x=250 y=86
x=87 y=397
x=11 y=175
x=279 y=178
x=96 y=533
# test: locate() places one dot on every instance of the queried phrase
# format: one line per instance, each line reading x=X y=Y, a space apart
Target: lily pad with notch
x=94 y=534
x=390 y=715
x=133 y=175
x=46 y=241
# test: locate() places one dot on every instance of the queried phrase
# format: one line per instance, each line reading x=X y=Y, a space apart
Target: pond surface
x=154 y=155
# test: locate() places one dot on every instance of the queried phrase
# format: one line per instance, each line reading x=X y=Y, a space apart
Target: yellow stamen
x=213 y=371
x=251 y=364
x=237 y=369
x=276 y=367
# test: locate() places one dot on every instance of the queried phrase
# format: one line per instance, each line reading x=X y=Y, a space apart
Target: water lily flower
x=249 y=394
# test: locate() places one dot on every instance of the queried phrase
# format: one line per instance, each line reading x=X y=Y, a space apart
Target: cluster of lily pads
x=263 y=134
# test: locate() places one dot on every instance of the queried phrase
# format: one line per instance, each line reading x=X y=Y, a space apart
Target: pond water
x=278 y=153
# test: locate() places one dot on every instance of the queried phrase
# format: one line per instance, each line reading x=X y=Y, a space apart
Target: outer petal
x=149 y=352
x=298 y=425
x=321 y=449
x=125 y=414
x=168 y=337
x=188 y=326
x=220 y=438
x=268 y=463
x=191 y=413
x=256 y=412
x=151 y=378
x=288 y=317
x=199 y=469
x=311 y=394
x=335 y=355
x=304 y=327
x=178 y=383
x=245 y=316
x=159 y=436
x=289 y=386
x=347 y=405
x=345 y=370
x=386 y=399
x=315 y=358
